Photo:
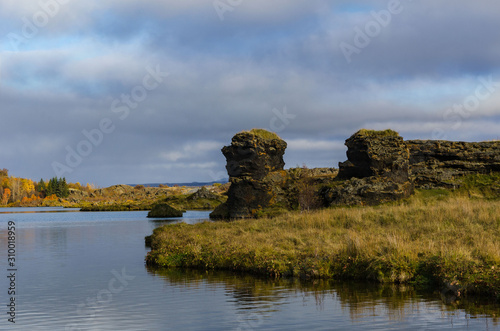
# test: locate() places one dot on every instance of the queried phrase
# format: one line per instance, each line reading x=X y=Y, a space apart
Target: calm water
x=85 y=271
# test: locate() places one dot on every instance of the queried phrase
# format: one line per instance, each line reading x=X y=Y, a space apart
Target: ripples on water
x=85 y=271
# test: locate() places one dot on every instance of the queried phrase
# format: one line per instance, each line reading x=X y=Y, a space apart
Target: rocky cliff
x=435 y=163
x=376 y=153
x=380 y=167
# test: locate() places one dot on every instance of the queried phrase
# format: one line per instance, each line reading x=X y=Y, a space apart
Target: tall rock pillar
x=255 y=167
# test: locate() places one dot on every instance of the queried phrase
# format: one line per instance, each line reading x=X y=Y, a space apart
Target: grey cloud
x=226 y=76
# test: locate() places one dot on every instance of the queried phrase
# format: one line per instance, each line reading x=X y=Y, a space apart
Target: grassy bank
x=432 y=238
x=130 y=206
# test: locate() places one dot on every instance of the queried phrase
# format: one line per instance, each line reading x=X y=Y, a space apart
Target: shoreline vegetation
x=447 y=239
x=22 y=192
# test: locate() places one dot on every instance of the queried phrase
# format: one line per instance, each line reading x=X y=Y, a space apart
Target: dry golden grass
x=444 y=240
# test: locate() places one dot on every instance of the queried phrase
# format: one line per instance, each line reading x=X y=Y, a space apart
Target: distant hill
x=193 y=184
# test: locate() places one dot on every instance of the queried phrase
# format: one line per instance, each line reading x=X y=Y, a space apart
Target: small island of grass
x=433 y=238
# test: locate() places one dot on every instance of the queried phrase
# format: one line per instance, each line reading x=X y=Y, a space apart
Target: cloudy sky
x=128 y=91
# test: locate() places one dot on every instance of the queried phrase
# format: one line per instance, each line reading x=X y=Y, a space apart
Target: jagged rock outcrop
x=381 y=167
x=435 y=163
x=163 y=210
x=254 y=154
x=203 y=193
x=377 y=170
x=77 y=194
x=376 y=153
x=255 y=167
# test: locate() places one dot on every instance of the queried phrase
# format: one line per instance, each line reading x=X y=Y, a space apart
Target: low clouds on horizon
x=201 y=71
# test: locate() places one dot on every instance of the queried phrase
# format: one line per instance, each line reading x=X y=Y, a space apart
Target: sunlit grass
x=423 y=240
x=264 y=134
x=377 y=133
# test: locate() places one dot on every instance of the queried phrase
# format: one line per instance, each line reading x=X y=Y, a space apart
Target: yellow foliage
x=51 y=197
x=6 y=196
x=27 y=185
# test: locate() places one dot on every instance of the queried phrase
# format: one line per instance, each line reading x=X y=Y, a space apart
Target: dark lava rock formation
x=161 y=210
x=380 y=167
x=203 y=193
x=435 y=163
x=376 y=153
x=255 y=167
x=377 y=170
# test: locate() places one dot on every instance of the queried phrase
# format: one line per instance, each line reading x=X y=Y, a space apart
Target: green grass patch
x=377 y=133
x=264 y=134
x=485 y=185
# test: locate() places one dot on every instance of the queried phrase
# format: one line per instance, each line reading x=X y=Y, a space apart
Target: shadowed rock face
x=435 y=162
x=372 y=155
x=255 y=167
x=366 y=191
x=377 y=170
x=252 y=156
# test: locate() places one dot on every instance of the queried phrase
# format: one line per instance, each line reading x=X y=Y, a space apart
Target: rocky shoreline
x=438 y=225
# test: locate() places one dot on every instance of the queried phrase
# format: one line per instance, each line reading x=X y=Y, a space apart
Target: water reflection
x=65 y=259
x=189 y=217
x=404 y=305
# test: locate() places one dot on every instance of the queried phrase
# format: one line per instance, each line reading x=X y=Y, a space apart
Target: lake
x=86 y=271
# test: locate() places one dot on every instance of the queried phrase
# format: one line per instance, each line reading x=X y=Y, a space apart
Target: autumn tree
x=27 y=187
x=15 y=187
x=5 y=182
x=6 y=196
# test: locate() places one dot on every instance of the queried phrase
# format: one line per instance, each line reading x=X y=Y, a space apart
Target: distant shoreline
x=189 y=184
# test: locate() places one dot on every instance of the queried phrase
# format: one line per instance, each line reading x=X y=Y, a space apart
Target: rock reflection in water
x=258 y=298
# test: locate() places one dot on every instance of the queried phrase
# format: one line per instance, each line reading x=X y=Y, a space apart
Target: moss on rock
x=377 y=133
x=164 y=210
x=264 y=134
